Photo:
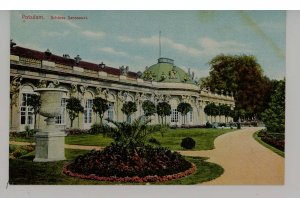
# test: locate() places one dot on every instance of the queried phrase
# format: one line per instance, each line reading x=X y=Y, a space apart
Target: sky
x=131 y=38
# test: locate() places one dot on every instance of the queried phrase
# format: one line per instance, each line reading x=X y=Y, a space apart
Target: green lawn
x=24 y=171
x=204 y=138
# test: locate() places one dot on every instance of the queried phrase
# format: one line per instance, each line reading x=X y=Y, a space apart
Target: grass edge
x=275 y=150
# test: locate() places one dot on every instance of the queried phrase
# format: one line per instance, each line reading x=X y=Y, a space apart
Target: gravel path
x=244 y=160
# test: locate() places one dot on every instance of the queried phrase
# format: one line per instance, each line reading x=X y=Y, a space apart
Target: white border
x=150 y=5
x=291 y=189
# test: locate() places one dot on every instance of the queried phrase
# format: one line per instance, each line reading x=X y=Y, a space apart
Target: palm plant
x=131 y=135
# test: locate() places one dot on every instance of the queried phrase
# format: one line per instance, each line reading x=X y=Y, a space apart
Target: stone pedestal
x=49 y=146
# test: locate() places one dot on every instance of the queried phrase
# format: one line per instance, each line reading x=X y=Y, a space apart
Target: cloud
x=166 y=42
x=55 y=34
x=92 y=34
x=110 y=50
x=70 y=23
x=125 y=39
x=212 y=47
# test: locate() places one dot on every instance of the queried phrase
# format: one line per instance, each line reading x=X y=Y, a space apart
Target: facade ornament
x=82 y=89
x=122 y=96
x=193 y=75
x=102 y=65
x=77 y=59
x=15 y=86
x=73 y=88
x=139 y=74
x=149 y=75
x=167 y=98
x=42 y=84
x=172 y=73
x=53 y=84
x=124 y=70
x=98 y=91
x=186 y=77
x=163 y=76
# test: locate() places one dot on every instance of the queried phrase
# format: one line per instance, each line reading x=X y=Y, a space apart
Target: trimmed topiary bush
x=188 y=143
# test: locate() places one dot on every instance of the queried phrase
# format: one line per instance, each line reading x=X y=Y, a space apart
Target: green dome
x=166 y=71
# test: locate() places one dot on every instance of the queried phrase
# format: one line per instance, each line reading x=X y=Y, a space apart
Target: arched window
x=174 y=115
x=110 y=111
x=62 y=117
x=88 y=111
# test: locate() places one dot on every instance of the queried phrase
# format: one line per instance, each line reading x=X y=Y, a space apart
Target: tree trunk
x=71 y=123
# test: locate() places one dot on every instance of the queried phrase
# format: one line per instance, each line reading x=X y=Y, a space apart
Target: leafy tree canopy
x=149 y=108
x=73 y=107
x=274 y=116
x=242 y=75
x=184 y=108
x=100 y=106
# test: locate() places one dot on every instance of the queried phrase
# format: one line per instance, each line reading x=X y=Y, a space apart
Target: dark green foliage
x=154 y=141
x=131 y=135
x=74 y=131
x=149 y=108
x=188 y=143
x=212 y=110
x=100 y=106
x=184 y=108
x=35 y=102
x=120 y=161
x=163 y=109
x=242 y=75
x=129 y=108
x=73 y=108
x=274 y=116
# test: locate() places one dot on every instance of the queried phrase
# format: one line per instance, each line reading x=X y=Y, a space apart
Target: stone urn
x=50 y=141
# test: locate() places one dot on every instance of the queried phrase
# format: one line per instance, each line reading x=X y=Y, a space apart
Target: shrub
x=74 y=131
x=208 y=125
x=188 y=143
x=95 y=129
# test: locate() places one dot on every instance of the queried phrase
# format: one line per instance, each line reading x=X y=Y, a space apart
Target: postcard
x=147 y=98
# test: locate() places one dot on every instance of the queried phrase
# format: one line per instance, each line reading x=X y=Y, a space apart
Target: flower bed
x=136 y=179
x=123 y=164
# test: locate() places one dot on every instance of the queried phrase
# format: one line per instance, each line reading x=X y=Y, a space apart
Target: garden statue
x=50 y=141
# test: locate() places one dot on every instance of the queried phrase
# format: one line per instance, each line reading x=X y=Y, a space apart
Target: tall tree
x=128 y=109
x=274 y=116
x=100 y=106
x=149 y=108
x=35 y=102
x=163 y=109
x=184 y=108
x=241 y=75
x=73 y=108
x=225 y=111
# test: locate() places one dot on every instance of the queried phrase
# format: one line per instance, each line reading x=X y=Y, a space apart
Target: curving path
x=245 y=161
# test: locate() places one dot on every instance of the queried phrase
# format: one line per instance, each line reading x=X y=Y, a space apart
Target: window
x=174 y=115
x=88 y=111
x=191 y=116
x=110 y=111
x=61 y=118
x=26 y=111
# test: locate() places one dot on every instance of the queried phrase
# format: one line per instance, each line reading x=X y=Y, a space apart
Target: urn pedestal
x=50 y=141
